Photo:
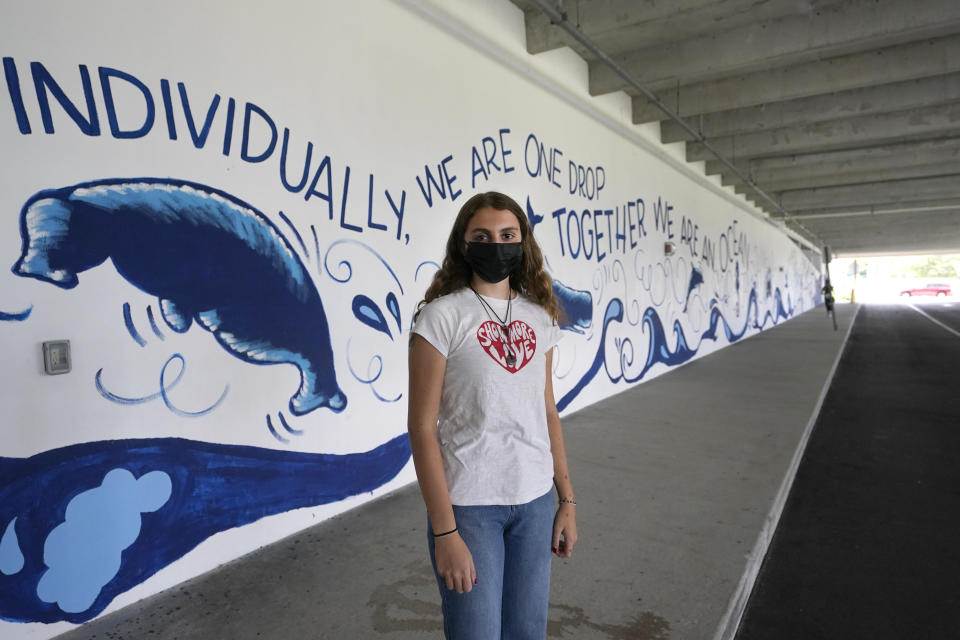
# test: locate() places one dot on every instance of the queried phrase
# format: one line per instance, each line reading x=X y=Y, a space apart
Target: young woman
x=484 y=428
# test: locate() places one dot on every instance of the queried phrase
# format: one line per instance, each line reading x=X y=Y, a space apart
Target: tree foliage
x=931 y=267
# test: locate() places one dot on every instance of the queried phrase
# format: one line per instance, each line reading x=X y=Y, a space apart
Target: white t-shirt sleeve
x=552 y=335
x=435 y=327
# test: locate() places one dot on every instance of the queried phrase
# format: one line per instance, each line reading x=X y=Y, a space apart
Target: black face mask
x=494 y=261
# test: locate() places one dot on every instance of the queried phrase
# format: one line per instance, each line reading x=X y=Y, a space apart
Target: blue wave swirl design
x=659 y=350
x=201 y=488
x=207 y=256
x=163 y=393
x=131 y=329
x=416 y=274
x=716 y=319
x=375 y=360
x=614 y=311
x=394 y=307
x=777 y=314
x=153 y=323
x=296 y=234
x=383 y=398
x=316 y=247
x=367 y=312
x=273 y=431
x=18 y=316
x=286 y=426
x=345 y=264
x=781 y=312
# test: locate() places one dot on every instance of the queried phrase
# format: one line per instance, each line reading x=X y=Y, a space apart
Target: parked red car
x=932 y=289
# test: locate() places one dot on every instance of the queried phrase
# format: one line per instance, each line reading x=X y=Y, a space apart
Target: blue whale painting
x=84 y=523
x=576 y=305
x=205 y=254
x=696 y=279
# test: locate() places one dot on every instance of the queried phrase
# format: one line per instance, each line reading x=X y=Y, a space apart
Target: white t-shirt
x=493 y=420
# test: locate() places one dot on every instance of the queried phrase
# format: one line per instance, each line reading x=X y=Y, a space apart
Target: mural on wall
x=206 y=255
x=216 y=261
x=86 y=522
x=111 y=514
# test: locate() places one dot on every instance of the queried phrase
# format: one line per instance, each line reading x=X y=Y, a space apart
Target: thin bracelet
x=565 y=501
x=445 y=533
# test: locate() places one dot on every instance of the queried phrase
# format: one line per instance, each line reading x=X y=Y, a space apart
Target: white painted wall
x=383 y=88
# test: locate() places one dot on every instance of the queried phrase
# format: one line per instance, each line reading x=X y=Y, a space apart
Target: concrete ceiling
x=845 y=112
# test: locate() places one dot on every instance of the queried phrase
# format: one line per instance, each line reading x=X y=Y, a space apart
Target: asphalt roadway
x=868 y=544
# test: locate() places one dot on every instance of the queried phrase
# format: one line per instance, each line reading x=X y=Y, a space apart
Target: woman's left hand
x=565 y=530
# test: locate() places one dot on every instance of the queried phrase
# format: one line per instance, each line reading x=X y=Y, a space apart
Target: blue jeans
x=510 y=545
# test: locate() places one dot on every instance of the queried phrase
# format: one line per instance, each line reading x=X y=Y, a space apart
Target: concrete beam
x=847 y=246
x=891 y=234
x=920 y=211
x=848 y=177
x=893 y=64
x=894 y=192
x=929 y=122
x=941 y=223
x=919 y=205
x=621 y=25
x=922 y=204
x=841 y=29
x=885 y=98
x=876 y=158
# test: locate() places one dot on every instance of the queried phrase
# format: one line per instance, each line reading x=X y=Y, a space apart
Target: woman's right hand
x=455 y=563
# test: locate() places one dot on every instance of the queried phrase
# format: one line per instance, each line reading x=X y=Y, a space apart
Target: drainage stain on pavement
x=644 y=626
x=404 y=605
x=412 y=604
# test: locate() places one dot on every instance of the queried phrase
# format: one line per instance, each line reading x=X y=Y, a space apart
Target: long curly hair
x=529 y=278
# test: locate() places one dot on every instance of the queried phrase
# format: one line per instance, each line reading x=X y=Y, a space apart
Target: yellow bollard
x=853 y=297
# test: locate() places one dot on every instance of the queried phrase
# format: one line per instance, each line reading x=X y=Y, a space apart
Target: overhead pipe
x=558 y=17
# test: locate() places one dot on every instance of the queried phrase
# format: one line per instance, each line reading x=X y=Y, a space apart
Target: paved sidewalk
x=675 y=480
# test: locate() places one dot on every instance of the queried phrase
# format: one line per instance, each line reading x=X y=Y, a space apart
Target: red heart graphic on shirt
x=522 y=343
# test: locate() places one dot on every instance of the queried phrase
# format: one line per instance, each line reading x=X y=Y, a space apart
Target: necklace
x=503 y=322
